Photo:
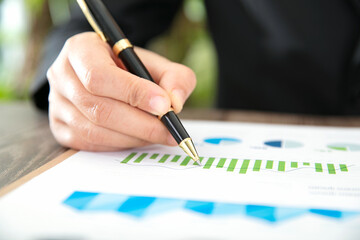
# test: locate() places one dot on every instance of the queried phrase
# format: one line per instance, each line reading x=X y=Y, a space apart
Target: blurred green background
x=25 y=23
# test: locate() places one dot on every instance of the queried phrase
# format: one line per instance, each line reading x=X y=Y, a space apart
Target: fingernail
x=178 y=98
x=158 y=105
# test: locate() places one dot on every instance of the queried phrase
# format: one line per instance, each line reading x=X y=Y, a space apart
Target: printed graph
x=283 y=144
x=147 y=206
x=346 y=147
x=222 y=141
x=234 y=165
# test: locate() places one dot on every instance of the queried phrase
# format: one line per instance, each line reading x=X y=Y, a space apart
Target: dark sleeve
x=353 y=85
x=141 y=20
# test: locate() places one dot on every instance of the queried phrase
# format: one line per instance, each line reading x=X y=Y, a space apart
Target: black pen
x=106 y=27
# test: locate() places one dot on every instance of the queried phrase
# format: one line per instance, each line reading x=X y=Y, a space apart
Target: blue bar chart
x=147 y=206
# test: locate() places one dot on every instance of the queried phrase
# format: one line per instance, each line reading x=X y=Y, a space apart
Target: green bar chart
x=140 y=158
x=318 y=167
x=175 y=158
x=154 y=156
x=241 y=166
x=244 y=166
x=281 y=167
x=232 y=165
x=209 y=162
x=185 y=161
x=257 y=165
x=294 y=164
x=269 y=164
x=128 y=158
x=221 y=163
x=164 y=158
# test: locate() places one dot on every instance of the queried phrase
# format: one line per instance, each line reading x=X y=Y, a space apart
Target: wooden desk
x=26 y=142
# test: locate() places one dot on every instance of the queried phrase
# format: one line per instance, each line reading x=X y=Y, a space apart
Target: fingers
x=65 y=137
x=106 y=112
x=178 y=80
x=77 y=131
x=100 y=76
x=96 y=105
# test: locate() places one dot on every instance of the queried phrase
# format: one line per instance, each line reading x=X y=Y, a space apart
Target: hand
x=96 y=105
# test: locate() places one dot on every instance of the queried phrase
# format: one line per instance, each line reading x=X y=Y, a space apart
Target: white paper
x=37 y=207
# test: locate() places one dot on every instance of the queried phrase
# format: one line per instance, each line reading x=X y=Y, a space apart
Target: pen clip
x=91 y=19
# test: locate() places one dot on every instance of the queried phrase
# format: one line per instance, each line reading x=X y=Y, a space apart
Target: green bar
x=306 y=164
x=244 y=166
x=343 y=168
x=140 y=158
x=154 y=156
x=186 y=161
x=331 y=168
x=232 y=165
x=257 y=166
x=269 y=164
x=200 y=159
x=209 y=163
x=221 y=163
x=128 y=158
x=338 y=148
x=318 y=167
x=281 y=167
x=294 y=164
x=164 y=158
x=176 y=158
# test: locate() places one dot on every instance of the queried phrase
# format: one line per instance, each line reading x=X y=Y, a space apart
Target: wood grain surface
x=26 y=142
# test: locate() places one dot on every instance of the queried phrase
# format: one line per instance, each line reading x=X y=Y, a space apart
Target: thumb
x=179 y=81
x=176 y=79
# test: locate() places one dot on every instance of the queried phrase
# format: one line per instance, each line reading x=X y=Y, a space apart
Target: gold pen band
x=160 y=116
x=121 y=45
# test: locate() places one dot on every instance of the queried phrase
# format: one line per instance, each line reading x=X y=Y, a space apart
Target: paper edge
x=12 y=186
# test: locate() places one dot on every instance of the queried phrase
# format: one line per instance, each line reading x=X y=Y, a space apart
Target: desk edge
x=12 y=186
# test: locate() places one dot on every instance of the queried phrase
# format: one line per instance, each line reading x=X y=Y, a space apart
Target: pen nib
x=199 y=163
x=188 y=146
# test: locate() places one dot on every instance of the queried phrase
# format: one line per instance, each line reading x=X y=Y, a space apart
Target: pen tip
x=188 y=146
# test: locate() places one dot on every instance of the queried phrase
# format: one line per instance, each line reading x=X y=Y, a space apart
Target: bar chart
x=222 y=141
x=346 y=147
x=283 y=144
x=241 y=166
x=147 y=206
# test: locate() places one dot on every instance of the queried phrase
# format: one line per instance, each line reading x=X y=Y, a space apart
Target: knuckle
x=92 y=135
x=70 y=42
x=91 y=81
x=78 y=39
x=190 y=76
x=134 y=94
x=71 y=119
x=100 y=113
x=69 y=140
x=65 y=138
x=50 y=75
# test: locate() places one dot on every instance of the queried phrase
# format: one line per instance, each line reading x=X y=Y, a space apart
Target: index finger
x=101 y=76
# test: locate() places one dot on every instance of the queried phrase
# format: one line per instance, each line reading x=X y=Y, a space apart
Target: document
x=256 y=181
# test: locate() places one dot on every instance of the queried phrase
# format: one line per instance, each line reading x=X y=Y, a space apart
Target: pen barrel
x=170 y=119
x=175 y=127
x=104 y=19
x=133 y=64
